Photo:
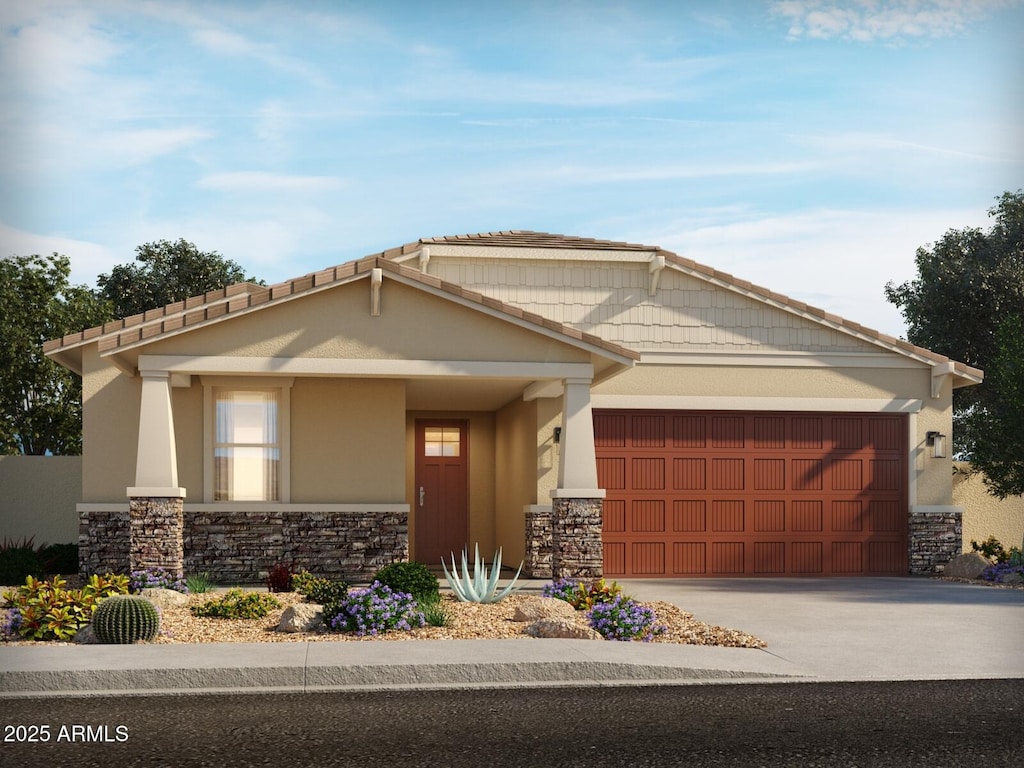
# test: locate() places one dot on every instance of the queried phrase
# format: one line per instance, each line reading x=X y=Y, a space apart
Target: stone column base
x=576 y=547
x=537 y=563
x=155 y=527
x=935 y=538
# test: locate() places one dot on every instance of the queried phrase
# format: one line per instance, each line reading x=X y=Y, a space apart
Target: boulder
x=1013 y=578
x=164 y=598
x=562 y=628
x=966 y=566
x=86 y=636
x=536 y=608
x=301 y=617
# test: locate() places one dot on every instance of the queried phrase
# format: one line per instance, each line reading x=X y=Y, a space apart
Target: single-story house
x=591 y=407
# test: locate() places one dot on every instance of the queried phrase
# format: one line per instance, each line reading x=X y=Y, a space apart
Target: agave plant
x=480 y=587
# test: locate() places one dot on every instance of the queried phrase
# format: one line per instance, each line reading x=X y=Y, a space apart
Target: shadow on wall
x=38 y=498
x=984 y=514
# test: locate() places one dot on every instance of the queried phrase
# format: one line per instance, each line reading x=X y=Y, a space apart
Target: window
x=246 y=447
x=441 y=441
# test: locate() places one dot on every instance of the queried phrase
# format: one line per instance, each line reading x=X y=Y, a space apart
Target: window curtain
x=246 y=450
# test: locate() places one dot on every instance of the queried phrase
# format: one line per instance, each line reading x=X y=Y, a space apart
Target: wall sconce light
x=558 y=435
x=937 y=441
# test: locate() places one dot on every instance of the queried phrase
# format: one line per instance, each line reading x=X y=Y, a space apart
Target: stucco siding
x=984 y=514
x=612 y=301
x=336 y=324
x=516 y=457
x=110 y=429
x=348 y=441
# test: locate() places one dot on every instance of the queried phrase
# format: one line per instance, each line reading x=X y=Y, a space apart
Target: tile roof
x=244 y=296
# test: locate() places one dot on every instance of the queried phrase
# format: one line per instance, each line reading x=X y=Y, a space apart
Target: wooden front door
x=441 y=494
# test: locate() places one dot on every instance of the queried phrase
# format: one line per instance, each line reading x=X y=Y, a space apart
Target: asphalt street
x=922 y=723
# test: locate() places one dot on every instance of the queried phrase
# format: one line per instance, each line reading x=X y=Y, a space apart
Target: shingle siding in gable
x=611 y=300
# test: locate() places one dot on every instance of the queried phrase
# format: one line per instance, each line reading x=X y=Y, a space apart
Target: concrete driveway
x=863 y=628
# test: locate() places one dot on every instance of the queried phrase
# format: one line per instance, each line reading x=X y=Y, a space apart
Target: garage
x=725 y=493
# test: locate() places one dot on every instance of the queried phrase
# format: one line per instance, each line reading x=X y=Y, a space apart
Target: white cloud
x=837 y=260
x=258 y=181
x=885 y=20
x=88 y=260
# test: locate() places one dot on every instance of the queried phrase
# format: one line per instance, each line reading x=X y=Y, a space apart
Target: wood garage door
x=752 y=494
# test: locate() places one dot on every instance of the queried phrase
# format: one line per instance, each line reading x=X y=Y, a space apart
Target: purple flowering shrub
x=10 y=622
x=157 y=578
x=999 y=572
x=625 y=619
x=377 y=609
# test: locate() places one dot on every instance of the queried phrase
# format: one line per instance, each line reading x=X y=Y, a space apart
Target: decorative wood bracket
x=424 y=259
x=376 y=278
x=939 y=373
x=657 y=265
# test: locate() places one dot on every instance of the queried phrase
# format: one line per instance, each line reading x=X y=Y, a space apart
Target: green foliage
x=279 y=579
x=303 y=581
x=40 y=401
x=410 y=577
x=237 y=604
x=124 y=619
x=198 y=583
x=17 y=563
x=166 y=272
x=434 y=611
x=582 y=594
x=59 y=558
x=993 y=549
x=480 y=587
x=967 y=303
x=51 y=612
x=997 y=424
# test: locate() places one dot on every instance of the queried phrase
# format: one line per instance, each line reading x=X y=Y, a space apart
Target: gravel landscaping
x=468 y=621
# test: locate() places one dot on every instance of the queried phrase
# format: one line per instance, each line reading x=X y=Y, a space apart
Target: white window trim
x=284 y=387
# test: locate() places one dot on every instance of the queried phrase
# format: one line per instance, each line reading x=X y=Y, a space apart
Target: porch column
x=155 y=502
x=577 y=550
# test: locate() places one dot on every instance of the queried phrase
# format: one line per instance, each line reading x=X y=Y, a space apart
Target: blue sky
x=807 y=146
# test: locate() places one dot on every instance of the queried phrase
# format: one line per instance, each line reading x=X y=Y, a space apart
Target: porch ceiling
x=462 y=394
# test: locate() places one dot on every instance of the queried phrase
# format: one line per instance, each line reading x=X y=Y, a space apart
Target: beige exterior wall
x=516 y=456
x=984 y=514
x=348 y=441
x=336 y=324
x=482 y=426
x=39 y=497
x=110 y=431
x=612 y=300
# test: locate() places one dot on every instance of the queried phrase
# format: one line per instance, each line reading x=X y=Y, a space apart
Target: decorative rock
x=86 y=636
x=1013 y=578
x=537 y=608
x=301 y=617
x=562 y=628
x=966 y=566
x=164 y=598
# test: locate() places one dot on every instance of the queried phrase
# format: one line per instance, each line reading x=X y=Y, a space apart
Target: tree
x=165 y=273
x=966 y=303
x=998 y=428
x=41 y=402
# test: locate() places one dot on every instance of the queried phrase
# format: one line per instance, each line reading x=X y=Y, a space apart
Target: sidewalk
x=816 y=629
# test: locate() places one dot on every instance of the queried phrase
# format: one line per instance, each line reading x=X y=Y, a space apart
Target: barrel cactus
x=123 y=619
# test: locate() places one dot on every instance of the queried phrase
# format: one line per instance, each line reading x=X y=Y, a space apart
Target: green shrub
x=50 y=612
x=59 y=558
x=18 y=562
x=410 y=577
x=198 y=583
x=993 y=549
x=435 y=612
x=236 y=604
x=303 y=580
x=124 y=619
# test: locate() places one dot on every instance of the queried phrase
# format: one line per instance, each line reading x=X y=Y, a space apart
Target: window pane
x=246 y=456
x=441 y=441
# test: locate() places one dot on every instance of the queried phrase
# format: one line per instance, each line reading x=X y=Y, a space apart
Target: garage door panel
x=689 y=516
x=705 y=494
